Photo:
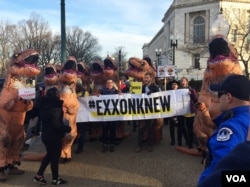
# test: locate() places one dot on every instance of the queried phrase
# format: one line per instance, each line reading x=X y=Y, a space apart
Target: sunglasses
x=221 y=93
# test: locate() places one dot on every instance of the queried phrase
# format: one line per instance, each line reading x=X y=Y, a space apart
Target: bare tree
x=5 y=46
x=35 y=33
x=81 y=45
x=50 y=51
x=239 y=34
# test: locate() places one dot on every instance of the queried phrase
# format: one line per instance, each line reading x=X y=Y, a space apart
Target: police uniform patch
x=224 y=134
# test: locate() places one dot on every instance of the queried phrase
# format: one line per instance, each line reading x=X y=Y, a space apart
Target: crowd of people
x=232 y=126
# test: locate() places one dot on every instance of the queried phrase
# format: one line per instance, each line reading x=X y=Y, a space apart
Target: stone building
x=185 y=34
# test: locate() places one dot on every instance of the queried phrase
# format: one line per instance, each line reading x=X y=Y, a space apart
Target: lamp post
x=120 y=61
x=174 y=44
x=158 y=55
x=63 y=32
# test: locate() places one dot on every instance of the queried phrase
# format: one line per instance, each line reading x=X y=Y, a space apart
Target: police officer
x=236 y=161
x=232 y=124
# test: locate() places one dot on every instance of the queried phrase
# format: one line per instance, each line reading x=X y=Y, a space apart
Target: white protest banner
x=27 y=93
x=134 y=106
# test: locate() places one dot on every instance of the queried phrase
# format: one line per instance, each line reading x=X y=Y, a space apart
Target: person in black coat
x=109 y=127
x=53 y=130
x=147 y=125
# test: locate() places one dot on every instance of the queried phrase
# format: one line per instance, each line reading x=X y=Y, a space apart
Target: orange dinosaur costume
x=96 y=75
x=222 y=62
x=13 y=108
x=67 y=86
x=137 y=69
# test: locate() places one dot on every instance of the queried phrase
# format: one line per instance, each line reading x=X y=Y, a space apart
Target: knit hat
x=174 y=81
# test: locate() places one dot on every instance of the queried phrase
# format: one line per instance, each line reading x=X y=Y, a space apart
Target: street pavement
x=164 y=167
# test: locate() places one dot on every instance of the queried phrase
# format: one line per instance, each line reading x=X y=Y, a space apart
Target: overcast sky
x=126 y=23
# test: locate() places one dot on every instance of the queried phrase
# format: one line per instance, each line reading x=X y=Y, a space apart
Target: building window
x=234 y=33
x=199 y=30
x=196 y=61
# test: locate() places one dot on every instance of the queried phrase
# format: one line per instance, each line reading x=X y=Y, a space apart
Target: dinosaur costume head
x=138 y=67
x=67 y=87
x=110 y=67
x=97 y=70
x=83 y=72
x=68 y=75
x=24 y=64
x=50 y=75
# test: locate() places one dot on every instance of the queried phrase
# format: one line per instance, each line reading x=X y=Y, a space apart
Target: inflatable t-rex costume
x=50 y=77
x=222 y=62
x=96 y=75
x=13 y=109
x=67 y=86
x=137 y=69
x=110 y=70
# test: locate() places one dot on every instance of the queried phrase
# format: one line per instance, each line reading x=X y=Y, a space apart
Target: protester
x=232 y=124
x=188 y=119
x=81 y=126
x=109 y=127
x=53 y=130
x=175 y=122
x=147 y=125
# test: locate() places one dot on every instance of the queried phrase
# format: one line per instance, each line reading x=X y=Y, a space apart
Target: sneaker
x=59 y=181
x=40 y=179
x=15 y=171
x=138 y=149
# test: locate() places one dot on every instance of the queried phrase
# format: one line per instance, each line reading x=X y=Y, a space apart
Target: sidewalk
x=124 y=168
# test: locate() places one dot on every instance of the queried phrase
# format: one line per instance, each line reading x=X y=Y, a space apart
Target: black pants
x=188 y=122
x=173 y=122
x=53 y=148
x=177 y=121
x=146 y=126
x=182 y=131
x=81 y=134
x=108 y=132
